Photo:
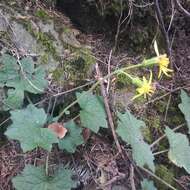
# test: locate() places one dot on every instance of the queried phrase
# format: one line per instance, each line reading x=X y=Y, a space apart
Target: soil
x=98 y=160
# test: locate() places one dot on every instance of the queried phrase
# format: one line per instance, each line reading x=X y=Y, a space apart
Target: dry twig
x=180 y=7
x=132 y=178
x=106 y=104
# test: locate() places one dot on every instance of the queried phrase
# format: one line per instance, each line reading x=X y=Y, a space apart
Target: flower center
x=146 y=88
x=163 y=61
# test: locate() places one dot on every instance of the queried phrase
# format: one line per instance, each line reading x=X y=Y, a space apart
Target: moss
x=164 y=173
x=44 y=58
x=59 y=75
x=45 y=39
x=160 y=105
x=174 y=116
x=153 y=124
x=42 y=14
x=87 y=56
x=122 y=80
x=75 y=69
x=147 y=134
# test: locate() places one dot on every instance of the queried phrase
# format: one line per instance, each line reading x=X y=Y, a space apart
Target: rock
x=43 y=34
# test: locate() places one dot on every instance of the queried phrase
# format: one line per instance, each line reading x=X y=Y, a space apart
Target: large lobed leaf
x=92 y=115
x=27 y=128
x=179 y=152
x=34 y=178
x=8 y=69
x=129 y=129
x=72 y=139
x=23 y=77
x=185 y=107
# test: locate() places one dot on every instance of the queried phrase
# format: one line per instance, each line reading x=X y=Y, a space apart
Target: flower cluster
x=145 y=87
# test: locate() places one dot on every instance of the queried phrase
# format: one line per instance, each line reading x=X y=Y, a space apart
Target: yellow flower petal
x=135 y=97
x=163 y=63
x=145 y=88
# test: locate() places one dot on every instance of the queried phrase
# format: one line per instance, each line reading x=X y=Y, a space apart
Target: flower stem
x=124 y=69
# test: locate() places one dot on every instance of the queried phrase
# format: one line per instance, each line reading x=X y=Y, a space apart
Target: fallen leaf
x=58 y=129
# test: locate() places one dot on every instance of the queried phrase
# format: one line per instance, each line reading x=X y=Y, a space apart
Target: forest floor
x=98 y=161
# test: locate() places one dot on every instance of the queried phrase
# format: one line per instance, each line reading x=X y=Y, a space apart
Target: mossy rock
x=49 y=38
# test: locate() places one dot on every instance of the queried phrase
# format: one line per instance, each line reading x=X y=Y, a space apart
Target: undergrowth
x=33 y=128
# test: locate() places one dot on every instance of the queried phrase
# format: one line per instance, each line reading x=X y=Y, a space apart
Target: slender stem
x=107 y=108
x=127 y=75
x=162 y=26
x=163 y=136
x=73 y=89
x=160 y=152
x=181 y=8
x=6 y=120
x=143 y=64
x=69 y=106
x=158 y=178
x=47 y=161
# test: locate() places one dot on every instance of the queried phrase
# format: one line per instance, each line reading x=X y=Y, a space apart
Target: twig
x=47 y=163
x=127 y=157
x=110 y=120
x=109 y=71
x=167 y=107
x=180 y=7
x=160 y=152
x=162 y=27
x=5 y=121
x=163 y=136
x=181 y=185
x=132 y=177
x=158 y=178
x=172 y=16
x=73 y=89
x=167 y=94
x=115 y=178
x=118 y=26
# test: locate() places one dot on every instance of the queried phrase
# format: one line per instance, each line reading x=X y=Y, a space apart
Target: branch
x=106 y=103
x=162 y=26
x=180 y=7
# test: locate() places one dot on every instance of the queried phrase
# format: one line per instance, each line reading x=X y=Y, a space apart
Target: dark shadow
x=85 y=16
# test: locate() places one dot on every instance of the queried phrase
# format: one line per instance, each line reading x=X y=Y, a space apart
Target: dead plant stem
x=107 y=108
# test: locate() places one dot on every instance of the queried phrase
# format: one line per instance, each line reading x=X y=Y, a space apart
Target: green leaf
x=179 y=152
x=72 y=139
x=34 y=178
x=8 y=68
x=92 y=115
x=185 y=107
x=129 y=129
x=27 y=128
x=14 y=99
x=21 y=77
x=32 y=82
x=147 y=185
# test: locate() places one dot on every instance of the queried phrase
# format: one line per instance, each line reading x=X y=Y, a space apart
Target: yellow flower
x=163 y=62
x=145 y=88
